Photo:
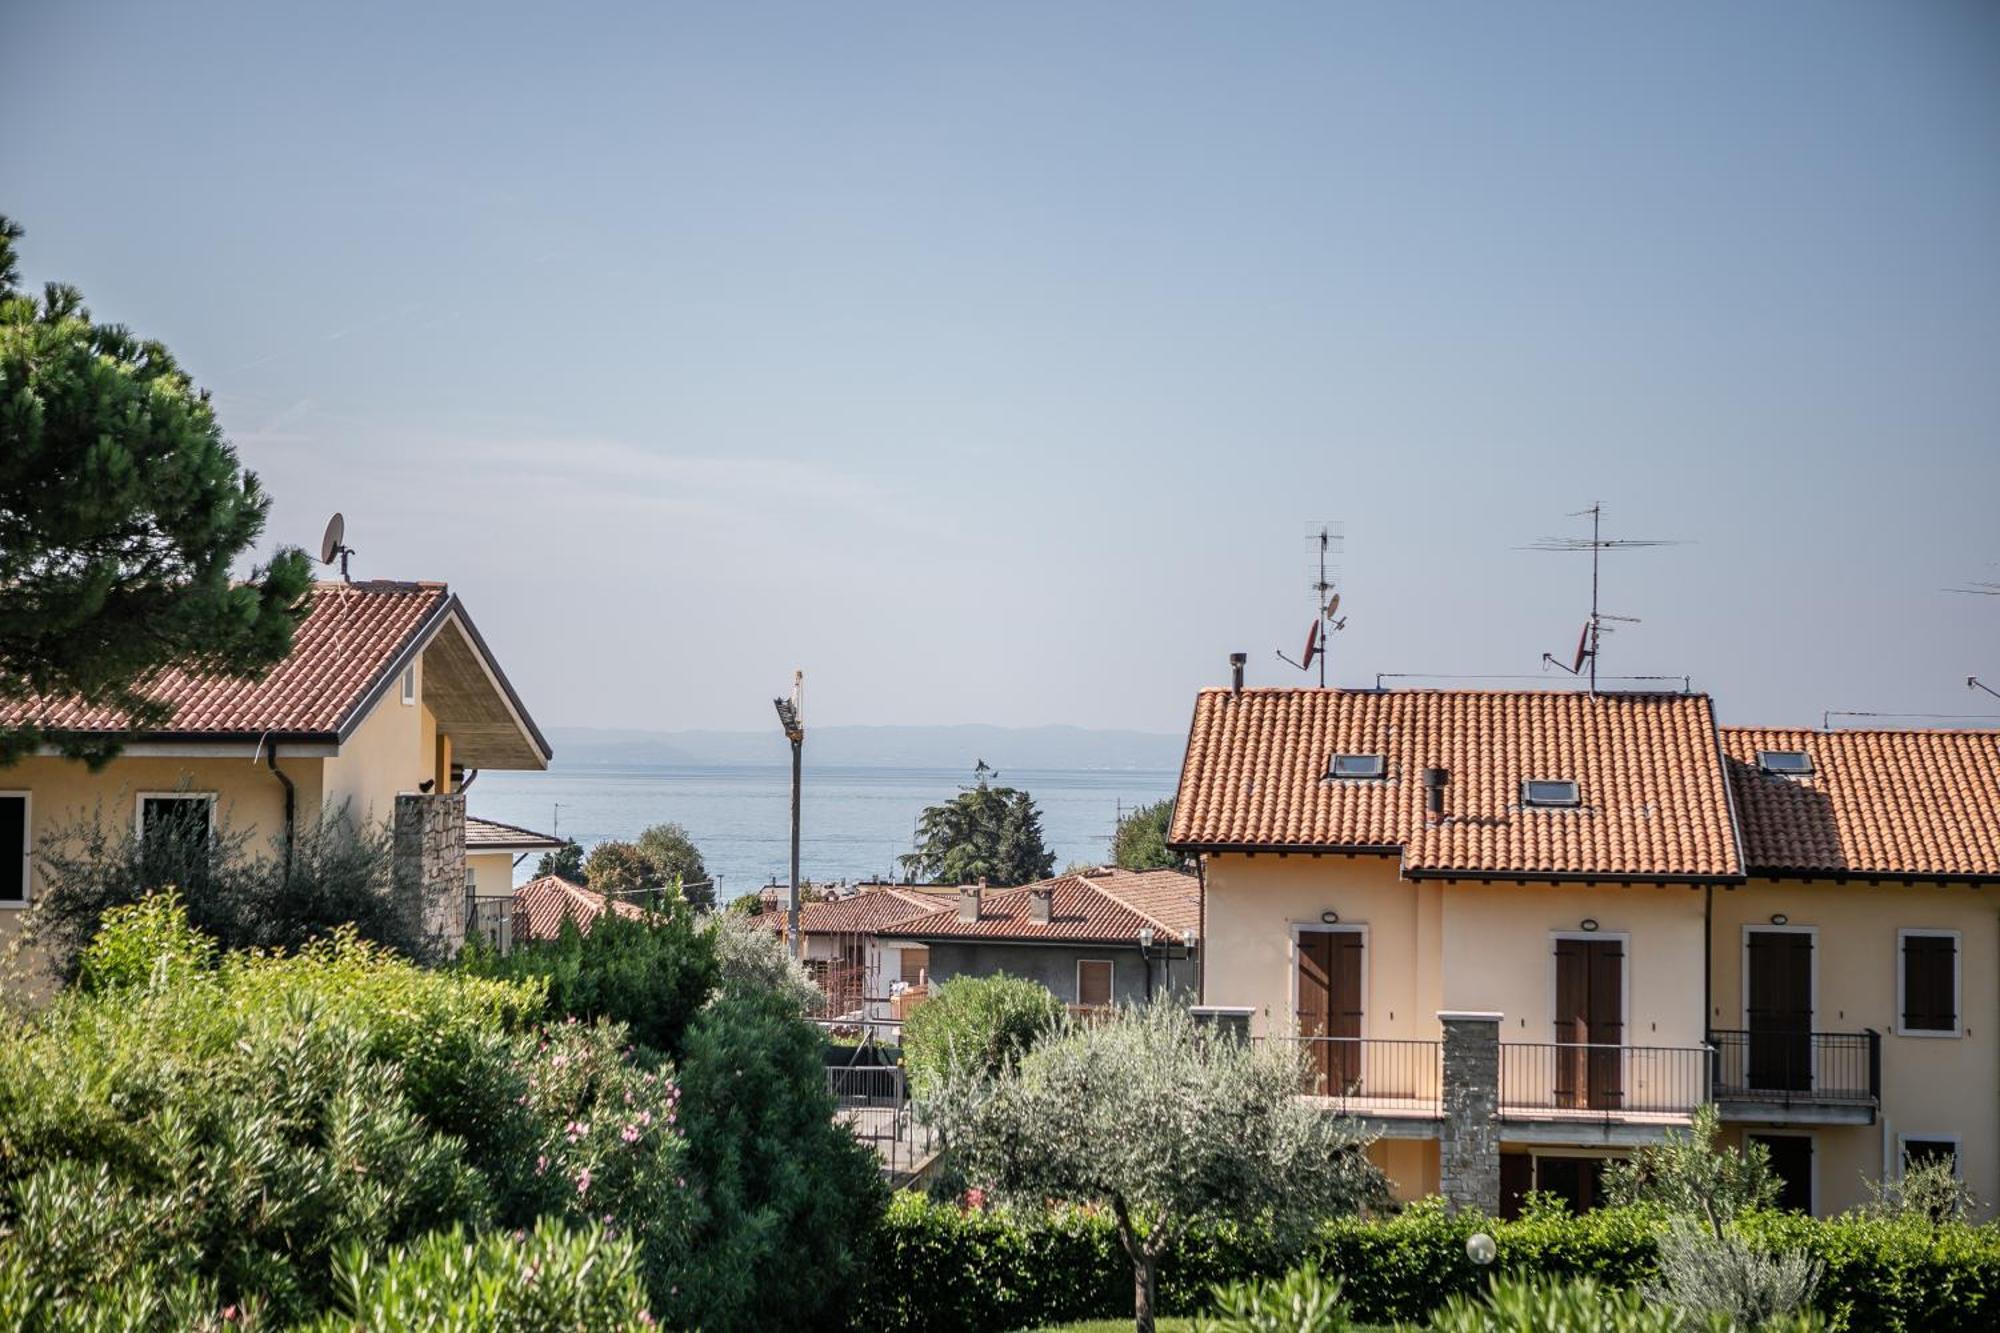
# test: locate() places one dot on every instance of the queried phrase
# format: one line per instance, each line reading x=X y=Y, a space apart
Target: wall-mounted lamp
x=1145 y=938
x=1590 y=923
x=1329 y=918
x=1779 y=918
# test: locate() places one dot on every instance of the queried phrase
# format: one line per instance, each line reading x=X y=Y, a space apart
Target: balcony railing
x=1576 y=1080
x=1794 y=1068
x=1374 y=1076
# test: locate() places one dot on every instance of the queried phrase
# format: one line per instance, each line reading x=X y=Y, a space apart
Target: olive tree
x=1165 y=1124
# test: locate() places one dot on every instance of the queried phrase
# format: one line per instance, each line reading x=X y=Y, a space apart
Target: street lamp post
x=791 y=716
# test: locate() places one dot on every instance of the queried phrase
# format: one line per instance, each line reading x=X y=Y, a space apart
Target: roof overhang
x=465 y=689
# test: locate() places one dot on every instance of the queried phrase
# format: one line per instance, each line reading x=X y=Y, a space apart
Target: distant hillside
x=879 y=747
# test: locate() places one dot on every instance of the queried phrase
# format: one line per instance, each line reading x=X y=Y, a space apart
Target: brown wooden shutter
x=916 y=965
x=1093 y=982
x=1930 y=976
x=1315 y=983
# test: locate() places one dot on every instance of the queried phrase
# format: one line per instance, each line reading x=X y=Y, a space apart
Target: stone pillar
x=430 y=865
x=1469 y=1142
x=1232 y=1020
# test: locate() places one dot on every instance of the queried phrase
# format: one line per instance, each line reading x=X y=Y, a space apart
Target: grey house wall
x=1054 y=965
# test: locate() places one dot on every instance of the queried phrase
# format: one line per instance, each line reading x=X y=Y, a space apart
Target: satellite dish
x=329 y=545
x=1333 y=606
x=1312 y=646
x=1582 y=649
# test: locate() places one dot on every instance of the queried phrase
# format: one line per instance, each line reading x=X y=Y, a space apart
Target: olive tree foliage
x=755 y=961
x=1691 y=1175
x=1928 y=1190
x=122 y=513
x=1165 y=1124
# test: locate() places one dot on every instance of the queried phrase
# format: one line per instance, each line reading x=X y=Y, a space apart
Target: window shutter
x=1930 y=974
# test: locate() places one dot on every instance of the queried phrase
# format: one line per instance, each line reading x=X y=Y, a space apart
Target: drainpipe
x=1201 y=901
x=1708 y=966
x=270 y=748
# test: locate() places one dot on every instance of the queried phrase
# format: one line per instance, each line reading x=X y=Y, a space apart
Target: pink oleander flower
x=975 y=1200
x=630 y=1134
x=583 y=1181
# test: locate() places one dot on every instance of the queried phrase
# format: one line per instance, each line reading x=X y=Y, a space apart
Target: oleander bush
x=946 y=1267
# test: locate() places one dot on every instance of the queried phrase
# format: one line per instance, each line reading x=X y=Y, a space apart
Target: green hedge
x=945 y=1269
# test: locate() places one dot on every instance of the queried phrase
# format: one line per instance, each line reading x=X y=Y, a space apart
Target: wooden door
x=1590 y=1023
x=1329 y=1010
x=1779 y=1010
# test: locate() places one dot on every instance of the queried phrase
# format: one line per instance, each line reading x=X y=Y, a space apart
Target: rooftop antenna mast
x=1594 y=629
x=1326 y=603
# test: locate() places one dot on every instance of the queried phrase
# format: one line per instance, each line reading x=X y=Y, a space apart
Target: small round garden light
x=1479 y=1248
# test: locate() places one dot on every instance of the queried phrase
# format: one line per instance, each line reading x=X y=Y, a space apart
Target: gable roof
x=346 y=654
x=865 y=912
x=1654 y=801
x=1902 y=804
x=1097 y=907
x=490 y=835
x=540 y=906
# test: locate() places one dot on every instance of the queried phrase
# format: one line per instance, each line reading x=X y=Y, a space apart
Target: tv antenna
x=1590 y=640
x=1327 y=619
x=334 y=544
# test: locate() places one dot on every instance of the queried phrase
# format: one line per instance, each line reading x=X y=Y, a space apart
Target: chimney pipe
x=1435 y=781
x=1236 y=661
x=1041 y=905
x=968 y=902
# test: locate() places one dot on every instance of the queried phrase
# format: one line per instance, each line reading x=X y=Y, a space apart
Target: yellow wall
x=1932 y=1087
x=391 y=751
x=1459 y=945
x=1410 y=1164
x=492 y=873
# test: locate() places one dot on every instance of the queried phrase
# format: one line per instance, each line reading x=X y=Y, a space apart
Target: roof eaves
x=413 y=643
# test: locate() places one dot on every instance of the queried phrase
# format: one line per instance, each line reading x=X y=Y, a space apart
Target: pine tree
x=985 y=832
x=122 y=510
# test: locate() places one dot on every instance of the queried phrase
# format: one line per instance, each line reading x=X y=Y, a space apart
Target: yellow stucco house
x=1520 y=933
x=388 y=704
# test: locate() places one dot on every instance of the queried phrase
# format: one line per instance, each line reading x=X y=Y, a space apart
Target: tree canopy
x=661 y=856
x=1141 y=840
x=984 y=833
x=122 y=512
x=565 y=862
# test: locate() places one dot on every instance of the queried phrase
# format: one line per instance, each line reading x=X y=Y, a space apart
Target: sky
x=992 y=363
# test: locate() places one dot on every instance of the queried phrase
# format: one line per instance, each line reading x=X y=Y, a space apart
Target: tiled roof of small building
x=1919 y=804
x=541 y=904
x=864 y=913
x=1654 y=802
x=1110 y=906
x=490 y=835
x=346 y=646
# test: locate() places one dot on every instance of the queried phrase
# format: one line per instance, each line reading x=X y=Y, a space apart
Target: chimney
x=1236 y=661
x=1041 y=905
x=968 y=902
x=1435 y=781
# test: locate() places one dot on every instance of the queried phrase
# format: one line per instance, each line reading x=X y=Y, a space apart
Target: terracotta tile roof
x=347 y=644
x=1654 y=801
x=1922 y=804
x=863 y=913
x=1109 y=908
x=490 y=835
x=541 y=904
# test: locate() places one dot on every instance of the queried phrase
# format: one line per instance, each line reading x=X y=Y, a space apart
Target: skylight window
x=1358 y=766
x=1550 y=791
x=1785 y=763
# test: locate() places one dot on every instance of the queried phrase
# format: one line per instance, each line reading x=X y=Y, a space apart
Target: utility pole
x=791 y=716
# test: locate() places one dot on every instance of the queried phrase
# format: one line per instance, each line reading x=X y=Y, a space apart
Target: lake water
x=855 y=821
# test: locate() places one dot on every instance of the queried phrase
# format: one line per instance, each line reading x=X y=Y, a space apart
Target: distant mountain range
x=878 y=747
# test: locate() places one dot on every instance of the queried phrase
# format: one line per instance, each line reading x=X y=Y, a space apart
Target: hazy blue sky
x=990 y=362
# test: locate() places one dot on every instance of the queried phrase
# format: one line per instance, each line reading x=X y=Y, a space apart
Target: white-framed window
x=1093 y=982
x=16 y=847
x=1358 y=766
x=1914 y=1148
x=410 y=683
x=192 y=812
x=1550 y=792
x=1927 y=983
x=1785 y=763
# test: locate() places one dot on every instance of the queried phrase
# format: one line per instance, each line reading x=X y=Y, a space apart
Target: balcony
x=1396 y=1085
x=1560 y=1085
x=1799 y=1078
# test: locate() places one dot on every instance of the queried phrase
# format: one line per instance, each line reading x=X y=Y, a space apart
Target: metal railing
x=1793 y=1067
x=873 y=1100
x=1385 y=1076
x=1585 y=1080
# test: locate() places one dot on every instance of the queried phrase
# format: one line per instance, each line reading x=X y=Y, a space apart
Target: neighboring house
x=1513 y=929
x=493 y=851
x=541 y=905
x=1095 y=938
x=858 y=973
x=388 y=700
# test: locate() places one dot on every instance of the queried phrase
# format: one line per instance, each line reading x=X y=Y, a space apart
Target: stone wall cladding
x=430 y=864
x=1469 y=1146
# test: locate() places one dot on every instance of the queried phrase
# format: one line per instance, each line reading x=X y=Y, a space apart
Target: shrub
x=651 y=973
x=754 y=961
x=786 y=1198
x=1299 y=1302
x=1704 y=1275
x=1690 y=1175
x=975 y=1026
x=1928 y=1191
x=1540 y=1305
x=527 y=1282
